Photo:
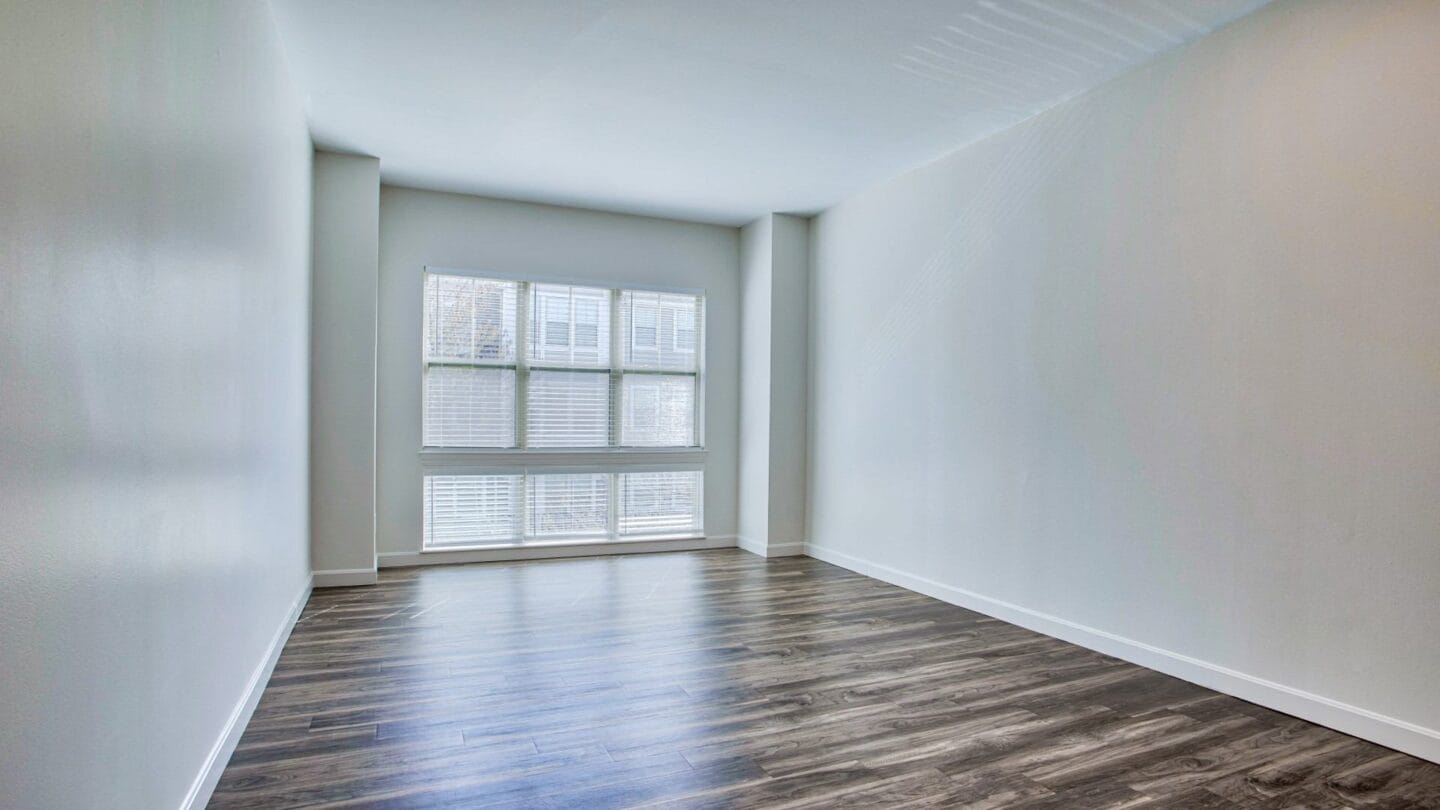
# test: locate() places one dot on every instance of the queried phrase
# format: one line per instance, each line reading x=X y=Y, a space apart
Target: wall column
x=346 y=234
x=775 y=260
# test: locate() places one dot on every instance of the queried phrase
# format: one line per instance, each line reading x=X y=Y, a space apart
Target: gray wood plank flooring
x=720 y=679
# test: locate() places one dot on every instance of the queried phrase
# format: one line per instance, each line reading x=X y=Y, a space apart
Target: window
x=532 y=369
x=481 y=510
x=572 y=381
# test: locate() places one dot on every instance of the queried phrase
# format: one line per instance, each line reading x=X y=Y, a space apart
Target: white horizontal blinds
x=568 y=392
x=480 y=510
x=554 y=366
x=658 y=411
x=661 y=336
x=469 y=319
x=656 y=503
x=567 y=505
x=470 y=362
x=569 y=326
x=567 y=409
x=469 y=407
x=472 y=510
x=660 y=331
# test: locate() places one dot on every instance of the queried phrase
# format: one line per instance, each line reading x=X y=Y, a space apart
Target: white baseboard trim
x=219 y=756
x=752 y=546
x=770 y=549
x=345 y=577
x=1388 y=731
x=408 y=559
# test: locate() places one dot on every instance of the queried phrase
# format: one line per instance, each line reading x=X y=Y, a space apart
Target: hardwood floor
x=718 y=679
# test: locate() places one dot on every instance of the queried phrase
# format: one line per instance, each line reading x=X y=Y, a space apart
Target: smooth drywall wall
x=1165 y=361
x=754 y=466
x=154 y=309
x=342 y=378
x=789 y=319
x=425 y=228
x=774 y=271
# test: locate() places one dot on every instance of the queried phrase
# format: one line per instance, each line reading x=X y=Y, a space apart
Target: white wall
x=756 y=259
x=789 y=319
x=342 y=383
x=1165 y=362
x=154 y=302
x=774 y=269
x=423 y=228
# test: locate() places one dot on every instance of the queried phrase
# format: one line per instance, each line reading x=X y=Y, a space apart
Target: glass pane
x=659 y=330
x=469 y=407
x=471 y=510
x=568 y=409
x=569 y=326
x=568 y=505
x=469 y=318
x=660 y=503
x=659 y=410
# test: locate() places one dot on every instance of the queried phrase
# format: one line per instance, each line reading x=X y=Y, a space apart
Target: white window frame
x=614 y=459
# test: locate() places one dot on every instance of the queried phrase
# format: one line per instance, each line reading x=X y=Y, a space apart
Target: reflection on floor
x=721 y=679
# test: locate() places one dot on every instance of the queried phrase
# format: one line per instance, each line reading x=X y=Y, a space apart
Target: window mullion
x=523 y=535
x=617 y=347
x=698 y=344
x=522 y=365
x=614 y=499
x=570 y=330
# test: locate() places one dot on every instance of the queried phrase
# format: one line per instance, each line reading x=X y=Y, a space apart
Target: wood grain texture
x=721 y=679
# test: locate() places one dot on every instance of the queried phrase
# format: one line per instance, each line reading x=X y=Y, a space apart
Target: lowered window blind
x=479 y=510
x=519 y=365
x=569 y=326
x=469 y=319
x=568 y=505
x=659 y=331
x=468 y=406
x=660 y=377
x=659 y=410
x=529 y=366
x=568 y=409
x=471 y=510
x=568 y=396
x=470 y=362
x=659 y=503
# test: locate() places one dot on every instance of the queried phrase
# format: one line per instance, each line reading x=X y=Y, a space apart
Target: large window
x=530 y=370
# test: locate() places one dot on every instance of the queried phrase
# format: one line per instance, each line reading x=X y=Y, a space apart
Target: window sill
x=553 y=451
x=634 y=459
x=529 y=551
x=568 y=542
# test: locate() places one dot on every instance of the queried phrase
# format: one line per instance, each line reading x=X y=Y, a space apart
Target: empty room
x=719 y=404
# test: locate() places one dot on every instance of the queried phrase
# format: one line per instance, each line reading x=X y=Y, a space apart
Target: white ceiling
x=711 y=110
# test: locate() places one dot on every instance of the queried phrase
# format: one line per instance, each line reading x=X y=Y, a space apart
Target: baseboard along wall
x=219 y=755
x=345 y=577
x=1388 y=731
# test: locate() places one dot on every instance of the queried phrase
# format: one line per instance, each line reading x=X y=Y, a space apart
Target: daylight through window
x=527 y=366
